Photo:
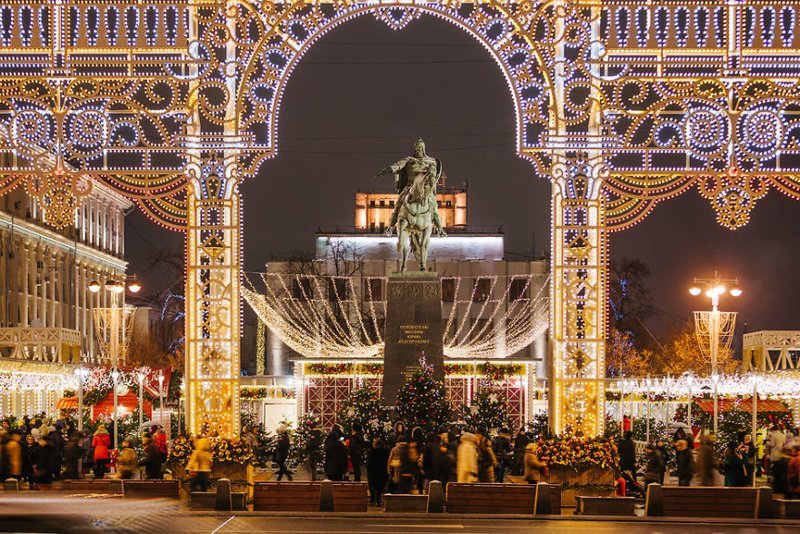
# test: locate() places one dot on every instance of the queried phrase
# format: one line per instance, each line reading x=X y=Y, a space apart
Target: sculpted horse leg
x=402 y=242
x=424 y=242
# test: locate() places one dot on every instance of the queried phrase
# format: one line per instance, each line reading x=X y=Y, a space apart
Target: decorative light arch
x=496 y=26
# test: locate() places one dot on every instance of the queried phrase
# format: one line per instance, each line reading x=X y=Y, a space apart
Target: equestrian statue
x=415 y=216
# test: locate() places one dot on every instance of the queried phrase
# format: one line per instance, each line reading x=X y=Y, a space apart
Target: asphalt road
x=87 y=514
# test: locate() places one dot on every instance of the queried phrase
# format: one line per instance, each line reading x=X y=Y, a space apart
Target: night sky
x=362 y=95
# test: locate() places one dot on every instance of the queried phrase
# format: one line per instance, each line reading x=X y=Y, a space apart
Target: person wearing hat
x=101 y=443
x=200 y=465
x=127 y=461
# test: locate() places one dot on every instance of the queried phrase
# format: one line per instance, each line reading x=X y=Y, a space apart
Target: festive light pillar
x=578 y=289
x=213 y=242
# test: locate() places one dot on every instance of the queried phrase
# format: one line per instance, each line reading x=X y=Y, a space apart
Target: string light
x=321 y=317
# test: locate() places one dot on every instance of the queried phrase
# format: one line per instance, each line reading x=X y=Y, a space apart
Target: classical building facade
x=374 y=208
x=45 y=272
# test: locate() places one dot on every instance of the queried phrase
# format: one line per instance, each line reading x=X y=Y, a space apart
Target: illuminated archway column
x=578 y=290
x=212 y=296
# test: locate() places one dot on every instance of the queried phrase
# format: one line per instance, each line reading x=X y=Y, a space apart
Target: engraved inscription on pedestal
x=413 y=327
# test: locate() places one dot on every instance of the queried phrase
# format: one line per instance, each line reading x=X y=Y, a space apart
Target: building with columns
x=44 y=272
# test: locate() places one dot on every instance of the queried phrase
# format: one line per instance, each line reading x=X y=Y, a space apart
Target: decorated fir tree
x=364 y=410
x=488 y=411
x=306 y=440
x=421 y=402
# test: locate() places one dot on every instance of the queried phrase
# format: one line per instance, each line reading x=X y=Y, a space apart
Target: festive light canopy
x=329 y=317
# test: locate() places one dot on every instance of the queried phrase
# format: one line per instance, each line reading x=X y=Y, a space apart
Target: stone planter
x=236 y=473
x=595 y=481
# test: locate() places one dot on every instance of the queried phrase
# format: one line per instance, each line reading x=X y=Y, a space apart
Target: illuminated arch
x=505 y=31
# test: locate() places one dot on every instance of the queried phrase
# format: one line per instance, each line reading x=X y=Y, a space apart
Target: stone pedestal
x=413 y=327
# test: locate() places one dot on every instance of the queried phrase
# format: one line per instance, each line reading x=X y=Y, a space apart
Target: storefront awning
x=67 y=403
x=725 y=405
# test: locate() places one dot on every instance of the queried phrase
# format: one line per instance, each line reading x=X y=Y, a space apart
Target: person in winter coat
x=152 y=458
x=12 y=452
x=127 y=461
x=520 y=443
x=654 y=468
x=734 y=465
x=533 y=465
x=282 y=453
x=29 y=461
x=355 y=451
x=73 y=454
x=335 y=455
x=313 y=448
x=793 y=474
x=160 y=441
x=400 y=466
x=101 y=443
x=487 y=461
x=45 y=463
x=501 y=445
x=627 y=453
x=706 y=465
x=684 y=461
x=467 y=459
x=377 y=476
x=447 y=460
x=430 y=460
x=200 y=465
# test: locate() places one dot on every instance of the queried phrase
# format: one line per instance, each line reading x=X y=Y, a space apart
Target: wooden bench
x=349 y=496
x=709 y=501
x=151 y=489
x=102 y=486
x=595 y=505
x=490 y=498
x=788 y=508
x=404 y=502
x=287 y=496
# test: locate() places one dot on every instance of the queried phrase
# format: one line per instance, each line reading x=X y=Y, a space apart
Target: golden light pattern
x=656 y=98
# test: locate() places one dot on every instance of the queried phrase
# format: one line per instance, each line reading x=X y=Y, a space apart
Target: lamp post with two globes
x=714 y=289
x=116 y=288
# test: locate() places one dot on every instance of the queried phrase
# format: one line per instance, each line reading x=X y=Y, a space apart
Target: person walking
x=31 y=455
x=400 y=466
x=313 y=449
x=200 y=465
x=749 y=453
x=654 y=468
x=377 y=476
x=335 y=455
x=12 y=456
x=282 y=452
x=467 y=459
x=355 y=451
x=501 y=445
x=627 y=453
x=73 y=454
x=45 y=463
x=534 y=466
x=127 y=462
x=101 y=444
x=776 y=439
x=520 y=443
x=487 y=461
x=152 y=458
x=684 y=461
x=734 y=465
x=430 y=461
x=706 y=465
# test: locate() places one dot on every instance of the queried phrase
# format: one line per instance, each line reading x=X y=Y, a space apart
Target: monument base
x=413 y=328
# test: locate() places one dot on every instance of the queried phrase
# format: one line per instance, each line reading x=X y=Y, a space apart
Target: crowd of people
x=38 y=451
x=407 y=461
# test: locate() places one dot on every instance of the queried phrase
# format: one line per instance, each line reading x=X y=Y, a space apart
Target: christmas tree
x=487 y=411
x=306 y=440
x=365 y=411
x=421 y=402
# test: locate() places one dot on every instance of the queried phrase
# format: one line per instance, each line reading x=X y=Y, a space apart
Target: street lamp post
x=689 y=382
x=116 y=288
x=80 y=372
x=714 y=288
x=114 y=378
x=161 y=399
x=754 y=422
x=141 y=401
